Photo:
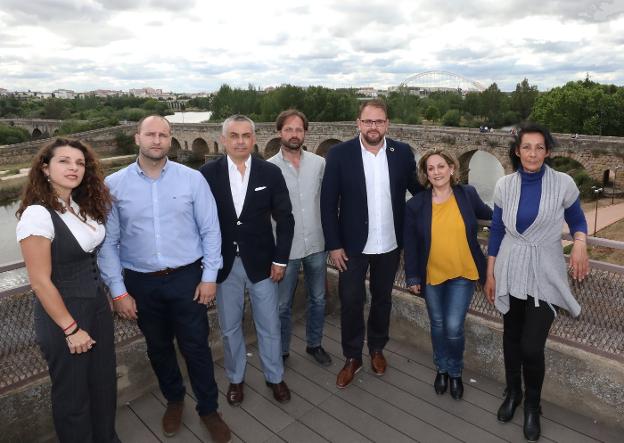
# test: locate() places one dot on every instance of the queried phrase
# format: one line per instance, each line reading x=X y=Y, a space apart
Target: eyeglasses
x=369 y=123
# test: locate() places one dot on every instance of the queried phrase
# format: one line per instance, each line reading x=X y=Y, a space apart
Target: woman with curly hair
x=60 y=228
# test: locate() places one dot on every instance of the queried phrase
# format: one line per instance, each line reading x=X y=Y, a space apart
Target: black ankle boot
x=532 y=428
x=513 y=398
x=457 y=388
x=441 y=383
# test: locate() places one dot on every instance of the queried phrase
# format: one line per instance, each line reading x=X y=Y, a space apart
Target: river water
x=189 y=117
x=9 y=250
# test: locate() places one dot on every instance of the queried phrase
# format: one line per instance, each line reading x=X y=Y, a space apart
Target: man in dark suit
x=249 y=191
x=362 y=205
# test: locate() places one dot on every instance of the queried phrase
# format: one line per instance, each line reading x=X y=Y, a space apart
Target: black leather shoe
x=457 y=387
x=319 y=354
x=532 y=428
x=513 y=398
x=441 y=383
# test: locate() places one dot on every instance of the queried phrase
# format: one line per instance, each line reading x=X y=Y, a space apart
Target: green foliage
x=432 y=113
x=125 y=144
x=452 y=117
x=12 y=134
x=582 y=107
x=523 y=99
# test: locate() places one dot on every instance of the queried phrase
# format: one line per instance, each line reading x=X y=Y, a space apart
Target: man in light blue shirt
x=160 y=260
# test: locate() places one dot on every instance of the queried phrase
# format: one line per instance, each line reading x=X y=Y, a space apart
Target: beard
x=292 y=143
x=372 y=137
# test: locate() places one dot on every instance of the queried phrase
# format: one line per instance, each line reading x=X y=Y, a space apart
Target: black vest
x=75 y=273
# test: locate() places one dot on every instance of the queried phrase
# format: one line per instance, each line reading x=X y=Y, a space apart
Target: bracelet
x=69 y=326
x=76 y=329
x=125 y=294
x=579 y=239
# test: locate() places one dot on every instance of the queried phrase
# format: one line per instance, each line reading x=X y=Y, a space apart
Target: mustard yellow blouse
x=449 y=256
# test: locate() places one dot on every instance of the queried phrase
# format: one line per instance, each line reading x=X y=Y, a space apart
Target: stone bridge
x=598 y=155
x=38 y=128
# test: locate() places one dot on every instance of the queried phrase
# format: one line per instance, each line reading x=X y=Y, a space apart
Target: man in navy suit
x=362 y=206
x=249 y=192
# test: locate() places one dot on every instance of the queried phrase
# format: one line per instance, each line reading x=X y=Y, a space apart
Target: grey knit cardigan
x=532 y=263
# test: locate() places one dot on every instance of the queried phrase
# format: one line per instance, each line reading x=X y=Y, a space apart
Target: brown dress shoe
x=378 y=363
x=219 y=430
x=172 y=419
x=235 y=394
x=281 y=393
x=345 y=376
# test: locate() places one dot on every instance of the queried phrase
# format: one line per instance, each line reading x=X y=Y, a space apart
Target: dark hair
x=448 y=157
x=284 y=115
x=91 y=194
x=374 y=103
x=140 y=123
x=529 y=128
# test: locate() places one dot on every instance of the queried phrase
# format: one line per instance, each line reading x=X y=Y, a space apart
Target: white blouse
x=36 y=220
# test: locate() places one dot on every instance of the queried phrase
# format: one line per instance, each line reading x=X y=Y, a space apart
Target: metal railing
x=599 y=329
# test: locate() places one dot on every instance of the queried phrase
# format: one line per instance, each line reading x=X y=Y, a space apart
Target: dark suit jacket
x=267 y=196
x=417 y=234
x=344 y=211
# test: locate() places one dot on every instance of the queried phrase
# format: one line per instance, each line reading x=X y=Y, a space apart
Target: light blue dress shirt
x=160 y=223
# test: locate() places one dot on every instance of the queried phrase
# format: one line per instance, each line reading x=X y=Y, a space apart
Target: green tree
x=432 y=113
x=12 y=134
x=523 y=99
x=452 y=117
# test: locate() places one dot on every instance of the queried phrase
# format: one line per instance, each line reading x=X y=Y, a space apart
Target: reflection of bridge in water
x=585 y=361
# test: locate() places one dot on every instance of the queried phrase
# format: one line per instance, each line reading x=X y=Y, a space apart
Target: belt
x=169 y=271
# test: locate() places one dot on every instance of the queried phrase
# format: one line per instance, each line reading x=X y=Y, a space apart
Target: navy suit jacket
x=267 y=196
x=417 y=234
x=344 y=210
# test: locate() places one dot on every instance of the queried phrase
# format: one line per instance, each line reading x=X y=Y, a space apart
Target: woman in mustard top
x=443 y=259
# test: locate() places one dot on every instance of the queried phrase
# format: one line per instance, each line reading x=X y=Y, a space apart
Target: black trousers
x=352 y=293
x=526 y=329
x=166 y=310
x=84 y=386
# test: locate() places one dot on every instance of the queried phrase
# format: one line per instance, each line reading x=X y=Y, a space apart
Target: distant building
x=4 y=91
x=105 y=93
x=368 y=92
x=66 y=94
x=146 y=92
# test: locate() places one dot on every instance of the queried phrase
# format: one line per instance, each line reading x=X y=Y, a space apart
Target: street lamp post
x=613 y=185
x=597 y=191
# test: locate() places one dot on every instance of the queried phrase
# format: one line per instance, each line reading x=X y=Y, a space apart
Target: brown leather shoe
x=378 y=363
x=235 y=394
x=219 y=430
x=281 y=393
x=345 y=376
x=172 y=419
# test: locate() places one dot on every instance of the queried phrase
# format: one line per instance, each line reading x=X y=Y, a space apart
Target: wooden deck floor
x=401 y=406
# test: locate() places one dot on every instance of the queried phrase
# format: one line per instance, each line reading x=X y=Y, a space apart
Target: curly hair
x=448 y=158
x=91 y=194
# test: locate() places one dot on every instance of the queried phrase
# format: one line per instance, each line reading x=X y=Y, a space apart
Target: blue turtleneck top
x=528 y=207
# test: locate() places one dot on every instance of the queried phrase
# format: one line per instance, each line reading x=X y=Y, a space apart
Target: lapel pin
x=391 y=149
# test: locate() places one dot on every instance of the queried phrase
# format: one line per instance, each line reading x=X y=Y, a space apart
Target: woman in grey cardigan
x=526 y=275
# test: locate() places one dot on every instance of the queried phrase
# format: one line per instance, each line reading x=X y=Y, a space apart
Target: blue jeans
x=314 y=271
x=447 y=305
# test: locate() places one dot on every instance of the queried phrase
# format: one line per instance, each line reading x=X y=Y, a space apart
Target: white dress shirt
x=36 y=220
x=238 y=183
x=381 y=236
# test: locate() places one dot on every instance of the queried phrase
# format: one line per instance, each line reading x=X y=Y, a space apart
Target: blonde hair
x=448 y=158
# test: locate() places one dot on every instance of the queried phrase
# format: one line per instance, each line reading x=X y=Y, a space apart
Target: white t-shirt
x=36 y=220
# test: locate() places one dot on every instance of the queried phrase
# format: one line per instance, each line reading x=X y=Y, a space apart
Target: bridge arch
x=323 y=148
x=175 y=146
x=200 y=147
x=215 y=146
x=37 y=134
x=272 y=147
x=482 y=170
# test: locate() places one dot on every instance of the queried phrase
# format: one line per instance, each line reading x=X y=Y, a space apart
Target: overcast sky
x=189 y=45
